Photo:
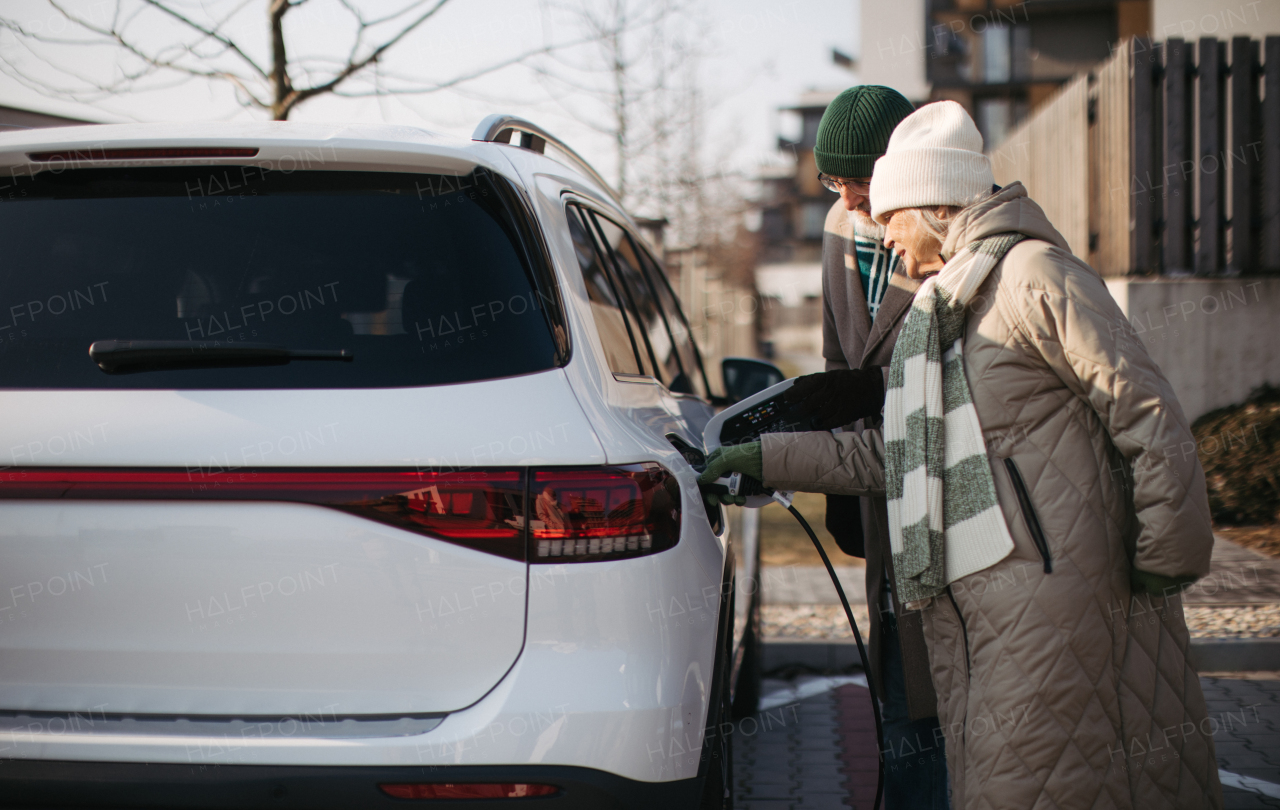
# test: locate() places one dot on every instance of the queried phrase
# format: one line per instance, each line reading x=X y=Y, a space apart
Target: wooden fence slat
x=1208 y=157
x=1114 y=179
x=1269 y=233
x=1049 y=153
x=1239 y=162
x=1177 y=149
x=1172 y=171
x=1141 y=200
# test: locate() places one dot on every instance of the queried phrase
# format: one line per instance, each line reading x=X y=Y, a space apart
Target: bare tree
x=619 y=85
x=210 y=46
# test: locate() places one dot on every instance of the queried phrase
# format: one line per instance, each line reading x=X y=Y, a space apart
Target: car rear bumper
x=615 y=677
x=40 y=784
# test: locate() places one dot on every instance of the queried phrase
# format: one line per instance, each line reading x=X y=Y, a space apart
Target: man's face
x=856 y=194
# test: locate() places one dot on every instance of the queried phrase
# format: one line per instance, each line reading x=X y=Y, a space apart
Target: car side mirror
x=744 y=376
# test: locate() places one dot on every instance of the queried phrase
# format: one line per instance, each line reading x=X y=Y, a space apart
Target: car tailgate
x=239 y=607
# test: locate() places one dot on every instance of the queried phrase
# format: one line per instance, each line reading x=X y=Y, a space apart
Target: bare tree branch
x=394 y=15
x=466 y=77
x=296 y=97
x=155 y=62
x=212 y=34
x=206 y=49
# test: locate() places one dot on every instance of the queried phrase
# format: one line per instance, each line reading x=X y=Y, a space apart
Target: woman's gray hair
x=937 y=226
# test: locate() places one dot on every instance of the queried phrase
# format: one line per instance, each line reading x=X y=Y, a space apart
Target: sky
x=754 y=57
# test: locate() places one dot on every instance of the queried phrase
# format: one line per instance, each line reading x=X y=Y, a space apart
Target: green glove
x=747 y=459
x=1156 y=584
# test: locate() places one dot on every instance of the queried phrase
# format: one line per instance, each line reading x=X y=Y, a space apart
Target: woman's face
x=918 y=249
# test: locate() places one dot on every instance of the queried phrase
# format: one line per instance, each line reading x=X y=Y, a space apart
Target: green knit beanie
x=855 y=129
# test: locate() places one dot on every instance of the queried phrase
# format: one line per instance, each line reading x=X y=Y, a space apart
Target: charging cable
x=738 y=484
x=784 y=498
x=768 y=412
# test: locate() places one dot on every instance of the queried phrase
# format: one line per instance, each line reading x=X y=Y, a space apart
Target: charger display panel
x=773 y=415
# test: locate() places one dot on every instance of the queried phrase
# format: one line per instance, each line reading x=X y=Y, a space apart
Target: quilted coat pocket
x=1029 y=514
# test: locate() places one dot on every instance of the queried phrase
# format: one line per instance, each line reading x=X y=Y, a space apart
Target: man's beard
x=864 y=225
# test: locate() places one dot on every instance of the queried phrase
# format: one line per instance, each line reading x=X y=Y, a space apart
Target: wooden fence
x=1165 y=159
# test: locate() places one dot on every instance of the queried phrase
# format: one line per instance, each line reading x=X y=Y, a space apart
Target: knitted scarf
x=944 y=520
x=875 y=264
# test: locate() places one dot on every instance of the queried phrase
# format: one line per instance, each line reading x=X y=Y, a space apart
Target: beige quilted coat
x=1059 y=689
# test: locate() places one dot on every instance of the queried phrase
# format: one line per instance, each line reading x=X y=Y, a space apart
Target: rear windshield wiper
x=130 y=356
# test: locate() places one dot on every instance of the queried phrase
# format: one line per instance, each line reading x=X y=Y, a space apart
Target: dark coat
x=851 y=340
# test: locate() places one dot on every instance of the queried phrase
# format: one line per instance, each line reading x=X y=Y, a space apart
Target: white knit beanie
x=934 y=158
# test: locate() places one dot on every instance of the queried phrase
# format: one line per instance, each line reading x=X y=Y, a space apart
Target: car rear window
x=425 y=279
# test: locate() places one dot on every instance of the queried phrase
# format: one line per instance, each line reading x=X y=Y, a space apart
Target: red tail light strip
x=575 y=515
x=145 y=153
x=483 y=509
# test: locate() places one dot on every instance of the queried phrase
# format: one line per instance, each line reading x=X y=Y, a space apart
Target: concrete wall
x=894 y=47
x=1192 y=19
x=1215 y=339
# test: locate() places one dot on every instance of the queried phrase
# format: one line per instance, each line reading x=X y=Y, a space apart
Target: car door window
x=655 y=343
x=686 y=352
x=606 y=309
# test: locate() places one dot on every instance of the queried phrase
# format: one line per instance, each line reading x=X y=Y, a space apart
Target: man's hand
x=838 y=398
x=747 y=459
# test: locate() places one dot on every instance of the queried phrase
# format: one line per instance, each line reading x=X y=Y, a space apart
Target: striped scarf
x=875 y=265
x=944 y=520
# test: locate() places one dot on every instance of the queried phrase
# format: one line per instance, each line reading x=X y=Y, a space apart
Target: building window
x=813 y=218
x=997 y=60
x=995 y=119
x=1021 y=57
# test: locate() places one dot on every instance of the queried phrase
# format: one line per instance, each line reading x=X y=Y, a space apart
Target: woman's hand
x=747 y=459
x=1156 y=584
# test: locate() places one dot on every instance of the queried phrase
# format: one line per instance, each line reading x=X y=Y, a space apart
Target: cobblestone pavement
x=1237 y=576
x=793 y=755
x=1247 y=739
x=1240 y=598
x=813 y=743
x=818 y=621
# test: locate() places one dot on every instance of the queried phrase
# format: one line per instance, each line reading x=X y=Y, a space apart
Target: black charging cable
x=862 y=651
x=738 y=484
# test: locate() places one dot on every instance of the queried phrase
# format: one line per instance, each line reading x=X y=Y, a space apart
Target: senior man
x=866 y=295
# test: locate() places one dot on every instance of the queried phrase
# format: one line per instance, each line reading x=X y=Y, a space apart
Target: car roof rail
x=499 y=128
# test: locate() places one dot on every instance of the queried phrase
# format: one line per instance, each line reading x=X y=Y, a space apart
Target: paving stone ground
x=816 y=747
x=1247 y=738
x=1237 y=576
x=819 y=751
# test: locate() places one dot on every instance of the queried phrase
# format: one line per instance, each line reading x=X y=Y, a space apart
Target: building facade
x=16 y=118
x=998 y=58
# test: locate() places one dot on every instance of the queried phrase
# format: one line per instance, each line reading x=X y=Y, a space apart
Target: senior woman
x=1042 y=513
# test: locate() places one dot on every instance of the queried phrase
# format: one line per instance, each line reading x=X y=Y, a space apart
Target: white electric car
x=350 y=467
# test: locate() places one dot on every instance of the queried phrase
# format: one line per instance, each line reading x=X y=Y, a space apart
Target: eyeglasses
x=836 y=184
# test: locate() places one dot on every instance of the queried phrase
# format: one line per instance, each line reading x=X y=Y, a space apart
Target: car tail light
x=468 y=790
x=144 y=153
x=608 y=513
x=482 y=509
x=575 y=514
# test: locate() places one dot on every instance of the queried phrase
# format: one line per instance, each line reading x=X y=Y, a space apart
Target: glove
x=834 y=399
x=747 y=459
x=1156 y=584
